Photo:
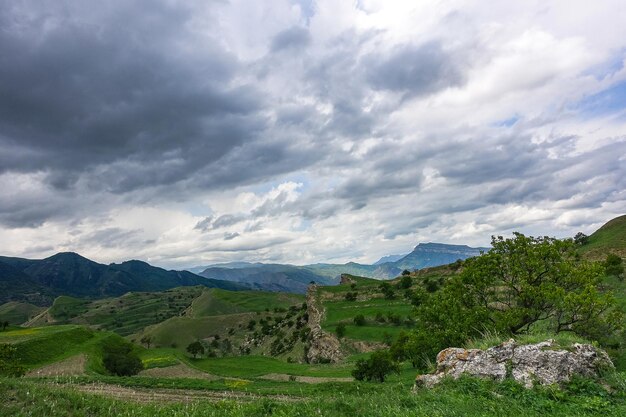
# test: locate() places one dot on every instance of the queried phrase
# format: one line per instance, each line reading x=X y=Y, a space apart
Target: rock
x=345 y=279
x=324 y=347
x=528 y=364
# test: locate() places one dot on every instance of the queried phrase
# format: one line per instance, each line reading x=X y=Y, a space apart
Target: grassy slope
x=223 y=313
x=610 y=238
x=370 y=302
x=466 y=397
x=17 y=313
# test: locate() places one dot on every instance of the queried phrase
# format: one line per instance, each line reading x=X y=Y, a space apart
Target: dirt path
x=305 y=379
x=146 y=395
x=178 y=371
x=72 y=366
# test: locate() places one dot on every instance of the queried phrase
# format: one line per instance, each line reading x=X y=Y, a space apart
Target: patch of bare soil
x=147 y=395
x=304 y=379
x=177 y=371
x=72 y=366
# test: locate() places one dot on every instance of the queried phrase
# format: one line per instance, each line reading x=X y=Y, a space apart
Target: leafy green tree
x=376 y=368
x=5 y=324
x=195 y=348
x=581 y=239
x=614 y=265
x=521 y=281
x=405 y=282
x=387 y=290
x=351 y=296
x=147 y=341
x=359 y=320
x=406 y=272
x=120 y=358
x=9 y=361
x=340 y=330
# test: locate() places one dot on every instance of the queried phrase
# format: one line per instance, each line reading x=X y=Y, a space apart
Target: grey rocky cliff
x=528 y=364
x=324 y=347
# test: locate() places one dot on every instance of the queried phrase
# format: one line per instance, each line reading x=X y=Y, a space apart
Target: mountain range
x=38 y=281
x=292 y=278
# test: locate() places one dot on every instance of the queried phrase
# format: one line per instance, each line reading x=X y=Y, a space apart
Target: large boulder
x=538 y=363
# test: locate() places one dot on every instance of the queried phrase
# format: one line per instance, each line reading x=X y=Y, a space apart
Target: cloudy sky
x=300 y=131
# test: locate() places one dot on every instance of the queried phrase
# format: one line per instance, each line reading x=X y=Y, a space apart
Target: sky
x=186 y=133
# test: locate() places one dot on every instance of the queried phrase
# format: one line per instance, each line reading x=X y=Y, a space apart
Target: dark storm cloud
x=292 y=38
x=83 y=90
x=415 y=70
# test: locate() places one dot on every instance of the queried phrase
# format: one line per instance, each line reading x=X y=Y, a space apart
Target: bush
x=9 y=361
x=196 y=348
x=376 y=368
x=120 y=358
x=359 y=320
x=613 y=265
x=387 y=290
x=405 y=282
x=351 y=296
x=340 y=330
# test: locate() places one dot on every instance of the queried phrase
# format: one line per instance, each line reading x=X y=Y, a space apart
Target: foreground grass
x=466 y=397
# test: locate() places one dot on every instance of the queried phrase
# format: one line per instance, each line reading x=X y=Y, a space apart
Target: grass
x=255 y=366
x=609 y=238
x=17 y=313
x=465 y=397
x=218 y=302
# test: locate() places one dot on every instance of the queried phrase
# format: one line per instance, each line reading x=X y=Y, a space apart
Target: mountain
x=388 y=258
x=68 y=273
x=271 y=277
x=291 y=278
x=426 y=255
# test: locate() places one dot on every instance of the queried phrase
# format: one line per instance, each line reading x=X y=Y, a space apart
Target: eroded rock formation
x=324 y=347
x=538 y=363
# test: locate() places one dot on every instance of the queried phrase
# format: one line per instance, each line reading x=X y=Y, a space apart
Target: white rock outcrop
x=538 y=363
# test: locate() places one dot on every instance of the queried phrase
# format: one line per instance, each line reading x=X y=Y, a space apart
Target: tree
x=387 y=290
x=195 y=348
x=120 y=358
x=351 y=296
x=405 y=282
x=359 y=320
x=9 y=361
x=340 y=330
x=406 y=272
x=520 y=282
x=376 y=368
x=581 y=239
x=613 y=265
x=5 y=324
x=146 y=340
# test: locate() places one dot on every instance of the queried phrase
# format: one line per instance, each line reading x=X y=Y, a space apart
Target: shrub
x=340 y=330
x=613 y=265
x=196 y=348
x=405 y=282
x=359 y=320
x=376 y=368
x=351 y=296
x=9 y=361
x=120 y=358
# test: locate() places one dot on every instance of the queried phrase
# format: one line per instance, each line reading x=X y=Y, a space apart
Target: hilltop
x=610 y=238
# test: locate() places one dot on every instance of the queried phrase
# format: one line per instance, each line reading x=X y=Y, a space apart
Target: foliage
x=376 y=368
x=359 y=320
x=406 y=272
x=387 y=290
x=522 y=281
x=581 y=239
x=405 y=282
x=614 y=265
x=120 y=358
x=351 y=296
x=9 y=361
x=340 y=330
x=195 y=348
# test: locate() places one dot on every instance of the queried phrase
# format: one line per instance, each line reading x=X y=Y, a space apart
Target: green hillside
x=126 y=314
x=610 y=238
x=17 y=313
